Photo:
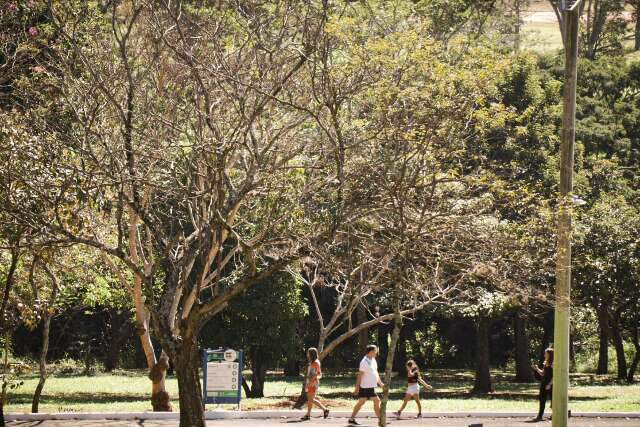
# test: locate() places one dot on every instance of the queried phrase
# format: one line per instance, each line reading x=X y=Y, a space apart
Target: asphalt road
x=342 y=422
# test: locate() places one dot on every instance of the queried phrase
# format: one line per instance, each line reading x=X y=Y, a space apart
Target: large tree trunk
x=157 y=368
x=186 y=363
x=400 y=358
x=483 y=375
x=524 y=374
x=636 y=357
x=603 y=350
x=15 y=255
x=547 y=333
x=292 y=368
x=518 y=24
x=121 y=330
x=3 y=394
x=258 y=374
x=363 y=335
x=618 y=344
x=46 y=326
x=383 y=342
x=637 y=30
x=572 y=354
x=395 y=335
x=160 y=399
x=5 y=369
x=302 y=398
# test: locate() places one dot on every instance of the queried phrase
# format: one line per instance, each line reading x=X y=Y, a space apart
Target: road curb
x=227 y=415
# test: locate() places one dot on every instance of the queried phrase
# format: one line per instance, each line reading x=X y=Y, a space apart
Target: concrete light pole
x=571 y=18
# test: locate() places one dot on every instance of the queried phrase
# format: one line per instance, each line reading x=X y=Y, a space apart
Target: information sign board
x=222 y=375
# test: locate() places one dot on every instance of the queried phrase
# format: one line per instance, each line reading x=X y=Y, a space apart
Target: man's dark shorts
x=367 y=393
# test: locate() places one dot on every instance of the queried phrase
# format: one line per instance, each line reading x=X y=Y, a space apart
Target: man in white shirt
x=367 y=381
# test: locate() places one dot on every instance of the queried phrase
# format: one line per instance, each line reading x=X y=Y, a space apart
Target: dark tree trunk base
x=35 y=403
x=619 y=346
x=524 y=374
x=258 y=374
x=302 y=399
x=292 y=368
x=636 y=357
x=483 y=375
x=161 y=402
x=189 y=389
x=603 y=349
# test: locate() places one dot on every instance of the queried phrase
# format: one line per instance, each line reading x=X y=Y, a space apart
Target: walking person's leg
x=318 y=403
x=417 y=398
x=407 y=398
x=542 y=397
x=311 y=396
x=356 y=409
x=376 y=405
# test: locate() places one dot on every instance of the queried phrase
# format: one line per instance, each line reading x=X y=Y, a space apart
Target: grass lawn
x=128 y=391
x=542 y=37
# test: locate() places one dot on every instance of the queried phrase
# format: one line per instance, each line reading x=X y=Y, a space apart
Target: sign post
x=571 y=19
x=222 y=376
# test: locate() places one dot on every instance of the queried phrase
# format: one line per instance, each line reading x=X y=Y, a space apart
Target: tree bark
x=524 y=374
x=618 y=344
x=246 y=388
x=15 y=255
x=121 y=330
x=302 y=398
x=5 y=383
x=547 y=334
x=160 y=399
x=636 y=45
x=400 y=358
x=572 y=354
x=363 y=335
x=518 y=25
x=186 y=362
x=603 y=350
x=258 y=374
x=636 y=357
x=483 y=375
x=383 y=342
x=46 y=326
x=292 y=368
x=395 y=335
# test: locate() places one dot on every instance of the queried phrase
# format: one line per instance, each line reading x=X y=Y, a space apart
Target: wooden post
x=571 y=17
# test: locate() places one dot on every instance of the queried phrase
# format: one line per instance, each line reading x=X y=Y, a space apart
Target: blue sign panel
x=222 y=372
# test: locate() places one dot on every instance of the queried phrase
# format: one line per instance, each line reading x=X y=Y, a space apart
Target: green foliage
x=264 y=320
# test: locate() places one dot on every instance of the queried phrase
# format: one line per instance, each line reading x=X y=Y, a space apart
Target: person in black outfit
x=545 y=375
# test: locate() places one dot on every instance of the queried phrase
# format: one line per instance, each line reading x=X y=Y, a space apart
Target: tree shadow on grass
x=514 y=396
x=80 y=397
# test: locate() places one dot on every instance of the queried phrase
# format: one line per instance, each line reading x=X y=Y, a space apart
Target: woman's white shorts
x=413 y=388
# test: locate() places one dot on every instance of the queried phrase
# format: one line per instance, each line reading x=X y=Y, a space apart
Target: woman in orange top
x=314 y=373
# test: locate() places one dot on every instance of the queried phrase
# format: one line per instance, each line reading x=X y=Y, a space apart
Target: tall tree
x=604 y=29
x=186 y=155
x=635 y=5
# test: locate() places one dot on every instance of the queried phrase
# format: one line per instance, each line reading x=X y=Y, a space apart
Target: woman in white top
x=414 y=379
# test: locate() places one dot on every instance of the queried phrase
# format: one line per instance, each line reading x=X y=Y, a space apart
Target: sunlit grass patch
x=129 y=391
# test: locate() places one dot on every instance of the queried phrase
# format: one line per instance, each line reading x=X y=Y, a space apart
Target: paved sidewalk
x=334 y=422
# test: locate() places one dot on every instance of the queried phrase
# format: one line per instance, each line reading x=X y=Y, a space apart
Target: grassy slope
x=128 y=391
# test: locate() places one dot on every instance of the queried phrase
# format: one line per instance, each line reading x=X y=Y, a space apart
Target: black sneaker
x=325 y=413
x=352 y=421
x=305 y=418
